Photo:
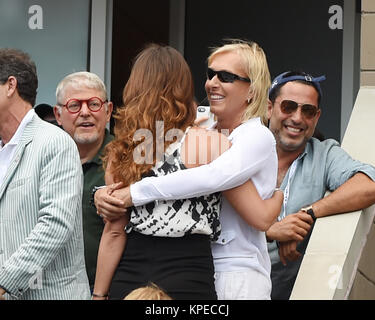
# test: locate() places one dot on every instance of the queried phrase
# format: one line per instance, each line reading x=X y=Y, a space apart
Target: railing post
x=333 y=254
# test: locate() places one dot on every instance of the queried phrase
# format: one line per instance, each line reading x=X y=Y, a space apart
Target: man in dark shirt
x=82 y=109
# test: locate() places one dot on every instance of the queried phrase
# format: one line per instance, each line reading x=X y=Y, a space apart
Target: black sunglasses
x=289 y=106
x=225 y=76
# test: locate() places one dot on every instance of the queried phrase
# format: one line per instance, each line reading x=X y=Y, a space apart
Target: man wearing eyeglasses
x=307 y=169
x=83 y=111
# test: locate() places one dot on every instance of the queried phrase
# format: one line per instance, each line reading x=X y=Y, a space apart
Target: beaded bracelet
x=92 y=202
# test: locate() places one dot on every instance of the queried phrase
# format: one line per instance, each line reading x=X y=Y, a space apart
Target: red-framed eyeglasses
x=94 y=104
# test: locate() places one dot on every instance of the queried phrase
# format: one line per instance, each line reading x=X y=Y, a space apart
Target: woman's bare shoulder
x=201 y=146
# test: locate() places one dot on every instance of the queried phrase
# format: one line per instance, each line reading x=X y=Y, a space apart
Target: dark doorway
x=135 y=23
x=294 y=34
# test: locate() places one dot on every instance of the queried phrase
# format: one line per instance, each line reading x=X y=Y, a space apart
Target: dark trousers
x=183 y=266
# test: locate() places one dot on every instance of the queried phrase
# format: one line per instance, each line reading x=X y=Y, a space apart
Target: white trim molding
x=101 y=40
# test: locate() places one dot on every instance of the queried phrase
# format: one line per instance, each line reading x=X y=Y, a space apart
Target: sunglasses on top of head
x=225 y=76
x=309 y=111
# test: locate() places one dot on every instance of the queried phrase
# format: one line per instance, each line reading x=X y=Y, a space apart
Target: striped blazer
x=41 y=239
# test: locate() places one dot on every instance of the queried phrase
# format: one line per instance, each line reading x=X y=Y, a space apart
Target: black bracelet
x=100 y=295
x=309 y=210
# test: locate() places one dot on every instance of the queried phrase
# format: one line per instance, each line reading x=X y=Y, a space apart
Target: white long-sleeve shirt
x=251 y=156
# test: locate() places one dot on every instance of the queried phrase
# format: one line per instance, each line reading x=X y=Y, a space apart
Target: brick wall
x=364 y=283
x=368 y=43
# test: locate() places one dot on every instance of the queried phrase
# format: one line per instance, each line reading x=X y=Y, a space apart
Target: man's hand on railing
x=292 y=227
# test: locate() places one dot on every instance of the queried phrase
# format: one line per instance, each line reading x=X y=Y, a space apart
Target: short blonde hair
x=78 y=80
x=149 y=292
x=255 y=66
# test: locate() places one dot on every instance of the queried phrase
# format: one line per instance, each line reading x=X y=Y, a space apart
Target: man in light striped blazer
x=41 y=241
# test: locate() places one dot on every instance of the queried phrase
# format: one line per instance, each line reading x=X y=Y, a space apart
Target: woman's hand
x=107 y=204
x=198 y=121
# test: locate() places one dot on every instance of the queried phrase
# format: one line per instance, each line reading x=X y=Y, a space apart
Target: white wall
x=55 y=33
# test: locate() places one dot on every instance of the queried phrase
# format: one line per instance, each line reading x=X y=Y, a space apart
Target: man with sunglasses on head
x=83 y=111
x=307 y=169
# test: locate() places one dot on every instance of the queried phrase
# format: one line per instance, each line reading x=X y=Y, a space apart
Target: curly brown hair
x=160 y=88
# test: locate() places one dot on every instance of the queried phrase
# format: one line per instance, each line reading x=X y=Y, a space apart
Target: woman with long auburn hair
x=160 y=88
x=167 y=242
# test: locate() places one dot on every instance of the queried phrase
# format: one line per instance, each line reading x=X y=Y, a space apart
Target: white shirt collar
x=18 y=134
x=235 y=130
